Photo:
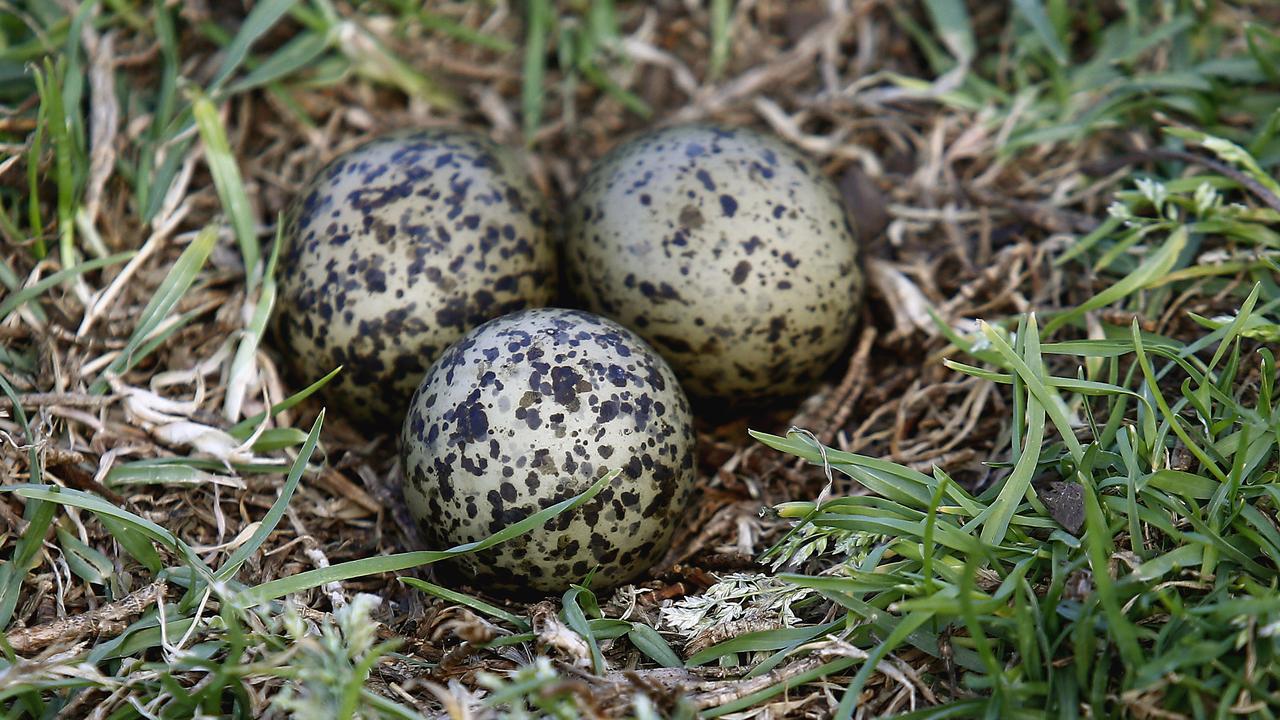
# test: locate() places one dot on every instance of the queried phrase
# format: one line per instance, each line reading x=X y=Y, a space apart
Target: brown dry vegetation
x=949 y=221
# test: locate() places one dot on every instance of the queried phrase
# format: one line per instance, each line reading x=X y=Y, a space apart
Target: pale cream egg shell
x=725 y=248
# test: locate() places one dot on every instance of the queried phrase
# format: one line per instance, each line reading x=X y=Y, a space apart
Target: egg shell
x=529 y=410
x=398 y=248
x=725 y=248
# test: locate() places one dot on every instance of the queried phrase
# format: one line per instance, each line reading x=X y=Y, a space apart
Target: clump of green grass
x=329 y=671
x=586 y=42
x=1060 y=73
x=1147 y=581
x=216 y=666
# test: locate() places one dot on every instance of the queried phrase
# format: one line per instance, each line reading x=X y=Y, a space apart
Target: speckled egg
x=726 y=249
x=398 y=248
x=529 y=410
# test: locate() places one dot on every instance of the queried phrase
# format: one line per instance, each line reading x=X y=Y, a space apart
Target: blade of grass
x=904 y=628
x=298 y=54
x=277 y=510
x=51 y=85
x=465 y=600
x=180 y=277
x=38 y=516
x=762 y=640
x=264 y=16
x=1152 y=269
x=134 y=543
x=403 y=561
x=35 y=218
x=822 y=671
x=721 y=11
x=27 y=294
x=648 y=641
x=243 y=429
x=1037 y=387
x=439 y=23
x=538 y=19
x=130 y=474
x=226 y=178
x=84 y=561
x=1018 y=483
x=1097 y=543
x=1170 y=417
x=577 y=622
x=102 y=508
x=955 y=29
x=242 y=365
x=372 y=59
x=1034 y=13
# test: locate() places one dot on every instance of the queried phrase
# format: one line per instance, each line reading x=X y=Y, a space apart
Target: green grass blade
x=180 y=277
x=1034 y=13
x=1032 y=377
x=577 y=622
x=264 y=16
x=955 y=29
x=538 y=19
x=762 y=640
x=243 y=365
x=1097 y=542
x=721 y=12
x=84 y=561
x=822 y=671
x=1152 y=270
x=904 y=628
x=243 y=429
x=277 y=510
x=1170 y=417
x=134 y=543
x=102 y=508
x=1018 y=483
x=39 y=516
x=404 y=561
x=458 y=598
x=298 y=54
x=648 y=641
x=27 y=294
x=230 y=186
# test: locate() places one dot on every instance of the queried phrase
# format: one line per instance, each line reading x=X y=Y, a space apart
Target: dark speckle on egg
x=394 y=251
x=751 y=237
x=592 y=397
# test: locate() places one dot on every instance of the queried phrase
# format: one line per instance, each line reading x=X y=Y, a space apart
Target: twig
x=106 y=620
x=1259 y=191
x=721 y=632
x=79 y=400
x=737 y=689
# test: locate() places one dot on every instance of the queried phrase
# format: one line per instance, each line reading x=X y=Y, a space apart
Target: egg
x=726 y=249
x=529 y=410
x=398 y=248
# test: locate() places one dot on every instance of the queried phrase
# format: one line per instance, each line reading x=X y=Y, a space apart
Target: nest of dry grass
x=949 y=222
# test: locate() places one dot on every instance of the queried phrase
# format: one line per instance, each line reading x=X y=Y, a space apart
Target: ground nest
x=963 y=212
